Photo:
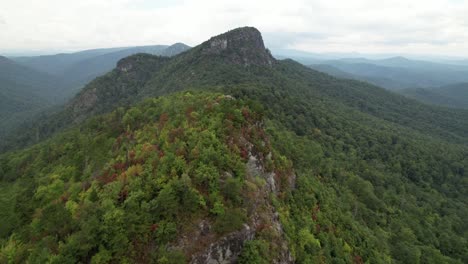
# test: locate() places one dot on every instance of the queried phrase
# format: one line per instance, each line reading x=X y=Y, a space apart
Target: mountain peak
x=175 y=49
x=4 y=59
x=240 y=46
x=397 y=59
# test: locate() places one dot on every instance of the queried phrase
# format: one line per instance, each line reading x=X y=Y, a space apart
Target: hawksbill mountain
x=223 y=154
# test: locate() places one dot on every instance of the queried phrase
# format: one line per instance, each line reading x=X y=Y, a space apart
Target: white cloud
x=385 y=26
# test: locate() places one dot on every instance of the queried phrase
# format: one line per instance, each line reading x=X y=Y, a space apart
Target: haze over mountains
x=399 y=73
x=23 y=92
x=52 y=79
x=224 y=154
x=31 y=84
x=79 y=68
x=417 y=79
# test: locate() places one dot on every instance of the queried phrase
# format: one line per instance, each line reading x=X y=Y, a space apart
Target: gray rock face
x=255 y=168
x=125 y=64
x=86 y=101
x=227 y=249
x=240 y=46
x=218 y=45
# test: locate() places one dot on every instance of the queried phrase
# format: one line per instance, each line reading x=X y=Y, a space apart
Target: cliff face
x=240 y=46
x=204 y=246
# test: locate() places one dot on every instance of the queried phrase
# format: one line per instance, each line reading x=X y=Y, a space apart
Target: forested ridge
x=454 y=96
x=356 y=174
x=30 y=86
x=123 y=186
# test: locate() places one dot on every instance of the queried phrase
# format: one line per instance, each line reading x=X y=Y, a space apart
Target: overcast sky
x=432 y=27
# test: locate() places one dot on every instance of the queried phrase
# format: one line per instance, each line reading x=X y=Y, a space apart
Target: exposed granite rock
x=217 y=46
x=125 y=64
x=226 y=250
x=86 y=101
x=255 y=168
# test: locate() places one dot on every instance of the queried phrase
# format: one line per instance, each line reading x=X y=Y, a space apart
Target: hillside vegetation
x=268 y=160
x=31 y=87
x=125 y=185
x=454 y=96
x=78 y=68
x=23 y=92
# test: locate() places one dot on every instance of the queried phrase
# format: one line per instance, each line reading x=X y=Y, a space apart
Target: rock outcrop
x=240 y=46
x=226 y=250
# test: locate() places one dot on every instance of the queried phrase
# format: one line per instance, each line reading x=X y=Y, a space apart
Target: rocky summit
x=240 y=46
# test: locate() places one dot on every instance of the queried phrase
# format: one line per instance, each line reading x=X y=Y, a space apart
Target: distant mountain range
x=397 y=73
x=77 y=69
x=429 y=82
x=393 y=73
x=30 y=84
x=37 y=82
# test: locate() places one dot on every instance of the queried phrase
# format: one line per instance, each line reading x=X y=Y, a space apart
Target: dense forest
x=23 y=92
x=162 y=158
x=122 y=186
x=454 y=96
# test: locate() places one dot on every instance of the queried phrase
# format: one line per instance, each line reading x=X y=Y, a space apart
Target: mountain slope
x=17 y=103
x=38 y=83
x=55 y=64
x=23 y=91
x=86 y=70
x=328 y=69
x=208 y=64
x=455 y=95
x=197 y=158
x=214 y=65
x=77 y=69
x=360 y=174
